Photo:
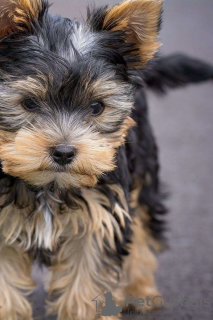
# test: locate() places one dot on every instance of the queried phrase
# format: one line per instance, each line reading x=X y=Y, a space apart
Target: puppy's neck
x=22 y=195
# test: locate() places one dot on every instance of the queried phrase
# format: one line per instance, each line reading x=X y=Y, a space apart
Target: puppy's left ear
x=138 y=22
x=19 y=16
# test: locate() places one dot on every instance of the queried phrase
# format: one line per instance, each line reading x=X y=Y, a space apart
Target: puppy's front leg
x=15 y=275
x=78 y=276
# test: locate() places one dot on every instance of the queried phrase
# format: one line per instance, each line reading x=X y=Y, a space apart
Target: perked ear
x=140 y=22
x=19 y=15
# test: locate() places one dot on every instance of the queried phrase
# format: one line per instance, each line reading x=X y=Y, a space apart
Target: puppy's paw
x=145 y=299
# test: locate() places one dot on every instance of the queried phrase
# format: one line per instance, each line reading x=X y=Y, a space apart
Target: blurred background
x=182 y=122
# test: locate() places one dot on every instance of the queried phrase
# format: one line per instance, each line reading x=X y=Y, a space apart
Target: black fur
x=176 y=70
x=138 y=160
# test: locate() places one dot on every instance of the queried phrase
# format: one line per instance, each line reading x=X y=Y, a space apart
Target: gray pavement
x=183 y=126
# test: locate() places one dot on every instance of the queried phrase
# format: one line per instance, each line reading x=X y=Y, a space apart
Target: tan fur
x=140 y=267
x=74 y=223
x=15 y=275
x=16 y=15
x=27 y=154
x=79 y=271
x=144 y=218
x=29 y=87
x=139 y=20
x=77 y=278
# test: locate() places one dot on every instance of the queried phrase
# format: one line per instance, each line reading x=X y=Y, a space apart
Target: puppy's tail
x=175 y=71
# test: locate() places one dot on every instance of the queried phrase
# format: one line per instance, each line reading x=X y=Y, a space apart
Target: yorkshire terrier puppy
x=79 y=187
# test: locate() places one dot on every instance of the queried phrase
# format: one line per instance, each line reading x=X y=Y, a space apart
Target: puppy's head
x=66 y=88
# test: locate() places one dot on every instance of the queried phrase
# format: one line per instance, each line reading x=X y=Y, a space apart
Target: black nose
x=63 y=154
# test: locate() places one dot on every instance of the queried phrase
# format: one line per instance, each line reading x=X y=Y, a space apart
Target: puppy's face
x=66 y=89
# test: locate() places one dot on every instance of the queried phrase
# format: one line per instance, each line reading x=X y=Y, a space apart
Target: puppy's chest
x=49 y=221
x=44 y=226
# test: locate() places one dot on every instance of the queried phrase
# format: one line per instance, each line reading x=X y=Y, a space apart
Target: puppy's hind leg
x=140 y=267
x=15 y=283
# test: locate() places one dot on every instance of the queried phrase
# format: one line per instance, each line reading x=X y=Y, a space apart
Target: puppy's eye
x=97 y=108
x=30 y=104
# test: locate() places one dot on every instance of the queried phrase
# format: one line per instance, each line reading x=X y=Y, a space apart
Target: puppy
x=79 y=187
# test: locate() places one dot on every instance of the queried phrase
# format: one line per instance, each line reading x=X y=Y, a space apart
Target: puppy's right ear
x=18 y=16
